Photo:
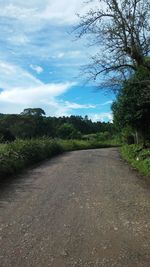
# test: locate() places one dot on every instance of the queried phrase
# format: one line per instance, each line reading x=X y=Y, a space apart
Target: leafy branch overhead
x=121 y=31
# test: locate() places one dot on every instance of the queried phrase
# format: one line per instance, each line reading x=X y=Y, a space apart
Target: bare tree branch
x=121 y=30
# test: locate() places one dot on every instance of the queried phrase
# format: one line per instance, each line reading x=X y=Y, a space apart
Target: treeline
x=32 y=123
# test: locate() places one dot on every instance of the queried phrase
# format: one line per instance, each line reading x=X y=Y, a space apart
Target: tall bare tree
x=121 y=31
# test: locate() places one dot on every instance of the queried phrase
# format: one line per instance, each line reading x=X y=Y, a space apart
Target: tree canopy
x=28 y=125
x=38 y=112
x=132 y=106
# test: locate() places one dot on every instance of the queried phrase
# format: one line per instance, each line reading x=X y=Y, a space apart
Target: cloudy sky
x=40 y=60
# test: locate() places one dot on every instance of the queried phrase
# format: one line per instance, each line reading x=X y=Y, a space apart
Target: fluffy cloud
x=41 y=11
x=39 y=30
x=21 y=90
x=37 y=69
x=68 y=54
x=44 y=96
x=18 y=40
x=107 y=103
x=72 y=105
x=104 y=116
x=12 y=76
x=34 y=95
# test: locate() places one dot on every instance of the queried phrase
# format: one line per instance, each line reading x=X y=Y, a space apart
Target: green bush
x=138 y=157
x=68 y=131
x=69 y=145
x=103 y=136
x=20 y=154
x=23 y=153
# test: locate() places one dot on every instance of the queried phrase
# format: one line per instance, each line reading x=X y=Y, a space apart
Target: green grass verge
x=138 y=157
x=16 y=156
x=70 y=145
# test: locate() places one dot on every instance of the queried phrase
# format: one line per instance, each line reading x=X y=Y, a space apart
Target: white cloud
x=21 y=90
x=64 y=108
x=104 y=116
x=16 y=11
x=13 y=76
x=39 y=30
x=54 y=11
x=6 y=69
x=68 y=54
x=19 y=39
x=72 y=105
x=37 y=12
x=59 y=55
x=37 y=69
x=74 y=54
x=36 y=94
x=107 y=103
x=44 y=96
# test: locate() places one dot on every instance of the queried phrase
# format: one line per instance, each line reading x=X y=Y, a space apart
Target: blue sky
x=40 y=61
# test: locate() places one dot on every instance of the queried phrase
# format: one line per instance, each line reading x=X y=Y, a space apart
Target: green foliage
x=70 y=145
x=37 y=112
x=20 y=154
x=127 y=135
x=68 y=131
x=138 y=157
x=6 y=135
x=104 y=136
x=132 y=107
x=31 y=124
x=35 y=135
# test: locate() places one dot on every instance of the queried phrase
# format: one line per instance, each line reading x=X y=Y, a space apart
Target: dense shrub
x=138 y=157
x=70 y=145
x=104 y=136
x=68 y=131
x=23 y=153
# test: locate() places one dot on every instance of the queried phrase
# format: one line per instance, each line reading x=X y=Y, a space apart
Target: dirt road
x=81 y=209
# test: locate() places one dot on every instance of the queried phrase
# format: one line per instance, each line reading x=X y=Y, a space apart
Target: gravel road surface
x=81 y=209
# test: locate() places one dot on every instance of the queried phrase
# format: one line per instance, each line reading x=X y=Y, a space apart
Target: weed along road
x=81 y=209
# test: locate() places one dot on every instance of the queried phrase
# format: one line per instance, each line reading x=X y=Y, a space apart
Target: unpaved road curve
x=81 y=209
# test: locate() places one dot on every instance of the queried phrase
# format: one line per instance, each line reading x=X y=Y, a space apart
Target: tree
x=67 y=131
x=132 y=107
x=37 y=112
x=121 y=30
x=24 y=127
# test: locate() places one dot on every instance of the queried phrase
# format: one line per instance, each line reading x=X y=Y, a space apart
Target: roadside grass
x=138 y=157
x=71 y=145
x=20 y=154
